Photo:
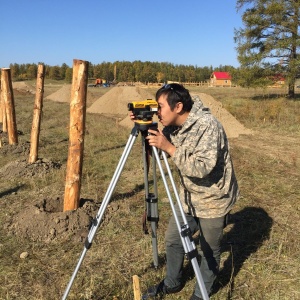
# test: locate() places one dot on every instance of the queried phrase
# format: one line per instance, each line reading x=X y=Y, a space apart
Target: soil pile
x=64 y=95
x=232 y=126
x=115 y=101
x=22 y=86
x=114 y=104
x=21 y=168
x=45 y=220
x=61 y=95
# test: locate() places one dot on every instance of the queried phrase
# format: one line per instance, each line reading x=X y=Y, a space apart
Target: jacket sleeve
x=197 y=155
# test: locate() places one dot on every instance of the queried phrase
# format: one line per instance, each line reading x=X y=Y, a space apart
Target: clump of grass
x=255 y=108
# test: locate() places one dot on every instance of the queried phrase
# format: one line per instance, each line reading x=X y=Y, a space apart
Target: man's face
x=165 y=115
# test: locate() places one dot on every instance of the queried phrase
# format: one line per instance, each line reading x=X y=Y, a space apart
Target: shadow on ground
x=251 y=227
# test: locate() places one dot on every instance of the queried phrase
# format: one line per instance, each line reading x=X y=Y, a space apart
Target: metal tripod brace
x=152 y=214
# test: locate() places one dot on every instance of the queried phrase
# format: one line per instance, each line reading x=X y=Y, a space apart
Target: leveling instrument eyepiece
x=143 y=110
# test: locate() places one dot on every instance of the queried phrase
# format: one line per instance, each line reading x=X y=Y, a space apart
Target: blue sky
x=194 y=32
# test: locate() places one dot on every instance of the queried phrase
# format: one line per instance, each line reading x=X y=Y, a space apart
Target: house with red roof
x=278 y=81
x=220 y=79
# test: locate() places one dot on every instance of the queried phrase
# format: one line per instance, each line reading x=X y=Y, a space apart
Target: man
x=197 y=144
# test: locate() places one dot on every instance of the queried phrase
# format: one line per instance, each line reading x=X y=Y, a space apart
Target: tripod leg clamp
x=150 y=216
x=186 y=233
x=87 y=243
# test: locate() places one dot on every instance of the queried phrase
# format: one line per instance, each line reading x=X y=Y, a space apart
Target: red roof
x=222 y=75
x=278 y=77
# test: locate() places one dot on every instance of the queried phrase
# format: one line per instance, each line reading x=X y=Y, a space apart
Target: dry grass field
x=40 y=245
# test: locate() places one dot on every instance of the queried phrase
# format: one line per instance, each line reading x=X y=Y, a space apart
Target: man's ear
x=179 y=107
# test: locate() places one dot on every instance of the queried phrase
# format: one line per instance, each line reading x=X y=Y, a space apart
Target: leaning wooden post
x=8 y=96
x=37 y=112
x=76 y=134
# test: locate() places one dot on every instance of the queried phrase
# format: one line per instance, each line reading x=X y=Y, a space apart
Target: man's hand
x=158 y=140
x=131 y=116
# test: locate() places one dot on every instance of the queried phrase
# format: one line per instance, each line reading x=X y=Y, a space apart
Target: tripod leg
x=184 y=230
x=97 y=220
x=154 y=214
x=151 y=199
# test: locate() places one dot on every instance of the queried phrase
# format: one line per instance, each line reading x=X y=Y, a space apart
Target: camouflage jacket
x=208 y=184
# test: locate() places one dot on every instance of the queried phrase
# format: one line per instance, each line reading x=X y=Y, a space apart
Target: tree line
x=268 y=45
x=123 y=71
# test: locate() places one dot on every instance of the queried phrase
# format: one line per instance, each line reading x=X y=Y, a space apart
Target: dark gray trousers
x=211 y=233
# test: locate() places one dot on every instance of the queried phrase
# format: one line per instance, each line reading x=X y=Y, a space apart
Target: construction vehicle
x=99 y=82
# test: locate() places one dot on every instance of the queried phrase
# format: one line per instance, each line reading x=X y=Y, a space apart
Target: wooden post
x=37 y=112
x=115 y=73
x=136 y=287
x=76 y=134
x=1 y=113
x=4 y=119
x=8 y=96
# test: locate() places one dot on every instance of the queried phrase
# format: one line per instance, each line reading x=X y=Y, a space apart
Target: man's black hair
x=176 y=93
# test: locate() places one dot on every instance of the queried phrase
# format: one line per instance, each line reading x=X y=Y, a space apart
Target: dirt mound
x=61 y=95
x=232 y=126
x=21 y=168
x=64 y=94
x=115 y=101
x=19 y=149
x=22 y=86
x=45 y=220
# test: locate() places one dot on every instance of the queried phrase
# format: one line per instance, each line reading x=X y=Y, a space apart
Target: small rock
x=37 y=211
x=52 y=231
x=24 y=255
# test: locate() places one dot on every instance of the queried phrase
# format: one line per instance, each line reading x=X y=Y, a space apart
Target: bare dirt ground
x=48 y=211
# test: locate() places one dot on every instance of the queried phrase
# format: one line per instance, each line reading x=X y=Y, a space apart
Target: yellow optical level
x=148 y=105
x=143 y=110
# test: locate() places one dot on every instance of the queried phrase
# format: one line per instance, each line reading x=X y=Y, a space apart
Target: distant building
x=222 y=79
x=278 y=80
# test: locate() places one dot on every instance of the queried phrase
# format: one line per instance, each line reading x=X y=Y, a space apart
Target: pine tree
x=270 y=39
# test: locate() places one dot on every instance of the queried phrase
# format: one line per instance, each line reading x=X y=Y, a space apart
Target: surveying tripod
x=151 y=200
